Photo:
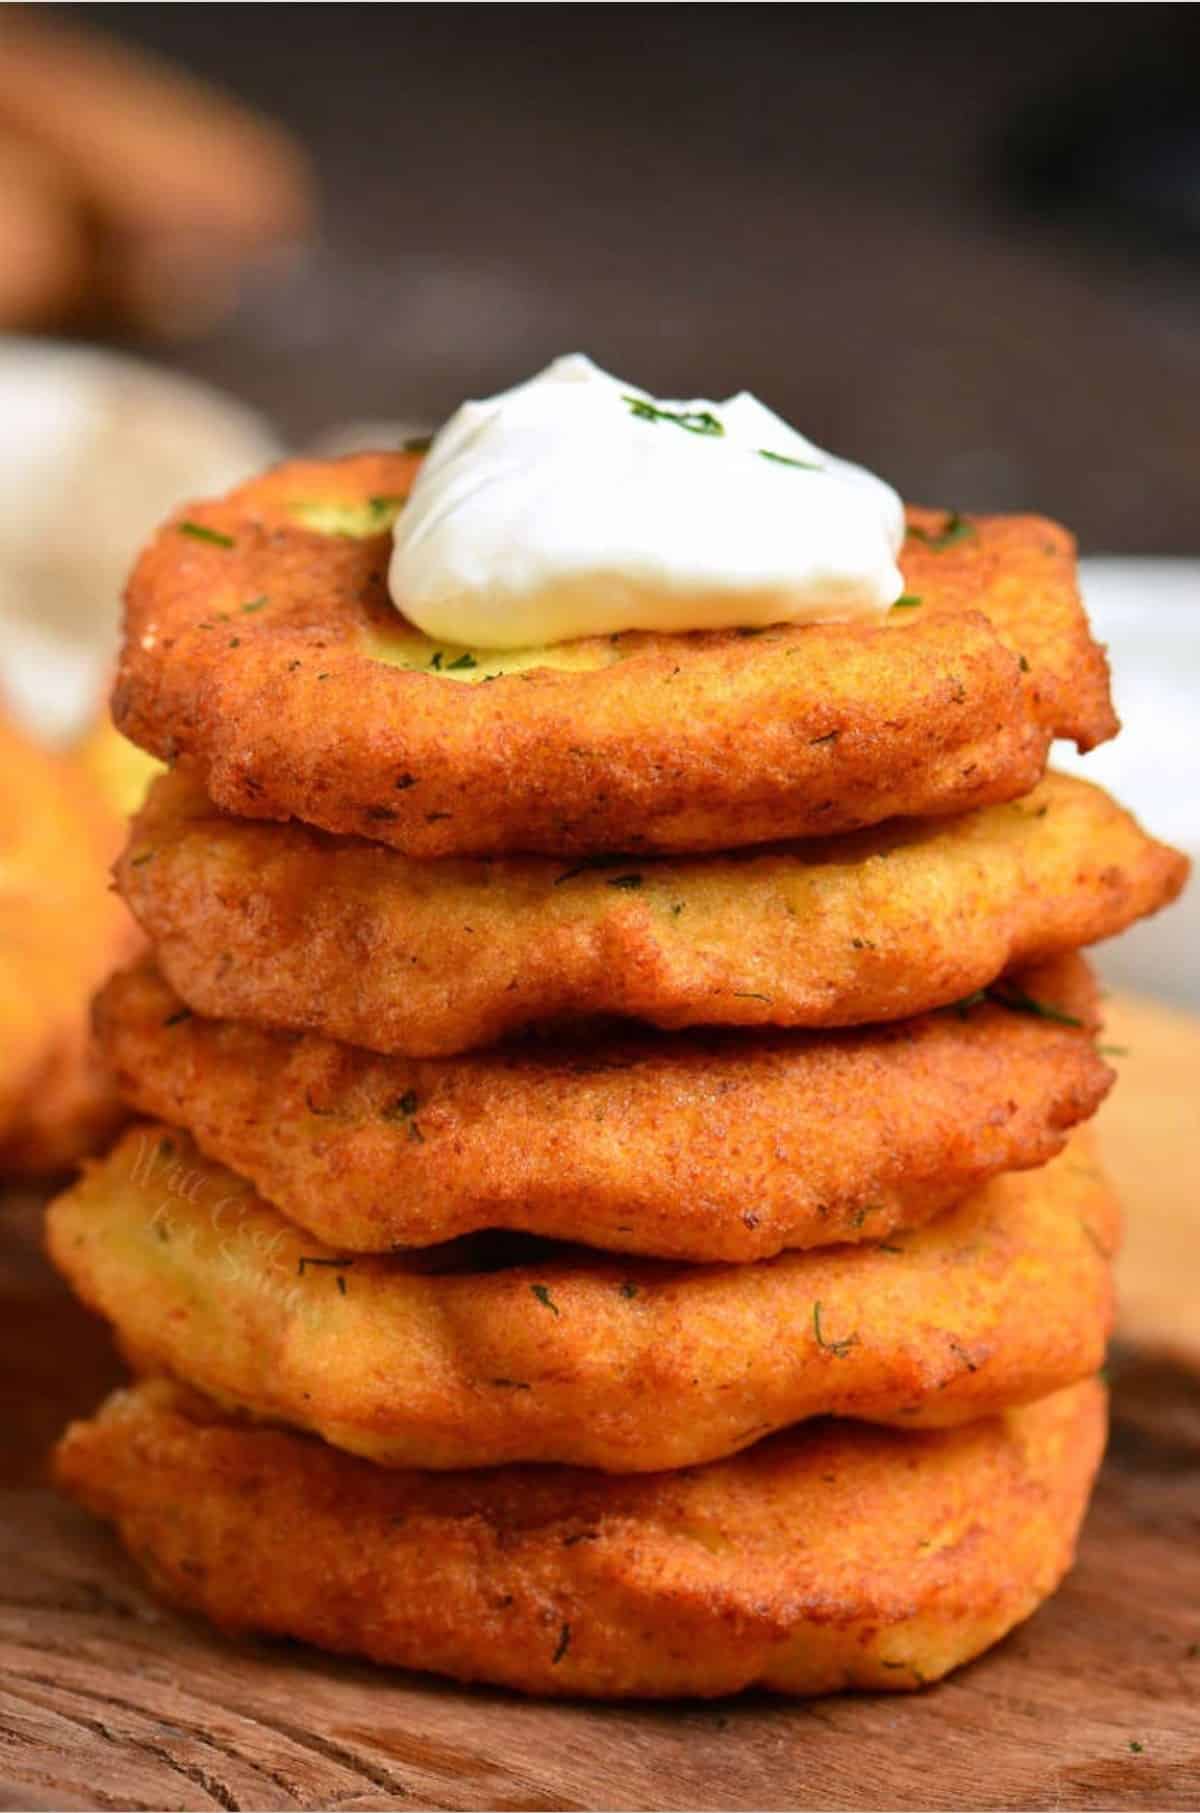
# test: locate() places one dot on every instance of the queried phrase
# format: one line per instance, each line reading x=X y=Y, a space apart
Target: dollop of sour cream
x=576 y=505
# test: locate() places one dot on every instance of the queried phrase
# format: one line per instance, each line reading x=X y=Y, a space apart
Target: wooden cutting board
x=108 y=1700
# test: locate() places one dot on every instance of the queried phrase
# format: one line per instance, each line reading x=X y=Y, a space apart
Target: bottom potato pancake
x=284 y=926
x=503 y=1350
x=834 y=1556
x=716 y=1146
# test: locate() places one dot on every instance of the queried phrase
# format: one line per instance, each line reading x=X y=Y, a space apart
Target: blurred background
x=960 y=244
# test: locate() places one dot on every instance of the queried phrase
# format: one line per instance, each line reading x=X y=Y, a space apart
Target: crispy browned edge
x=697 y=742
x=832 y=1557
x=284 y=926
x=698 y=1147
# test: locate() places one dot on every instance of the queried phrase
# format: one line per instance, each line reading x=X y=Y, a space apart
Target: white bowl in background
x=1148 y=612
x=95 y=449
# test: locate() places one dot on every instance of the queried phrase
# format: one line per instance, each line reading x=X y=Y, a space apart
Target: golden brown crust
x=565 y=1355
x=61 y=931
x=701 y=1146
x=833 y=1557
x=675 y=743
x=283 y=926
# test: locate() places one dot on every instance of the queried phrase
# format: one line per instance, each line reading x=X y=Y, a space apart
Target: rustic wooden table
x=108 y=1700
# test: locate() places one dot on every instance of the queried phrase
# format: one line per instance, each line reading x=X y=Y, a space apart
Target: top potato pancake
x=262 y=651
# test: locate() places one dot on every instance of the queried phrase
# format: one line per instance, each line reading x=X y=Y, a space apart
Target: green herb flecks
x=418 y=443
x=785 y=459
x=542 y=1293
x=463 y=662
x=955 y=528
x=253 y=604
x=839 y=1349
x=307 y=1259
x=629 y=1290
x=1136 y=1747
x=1018 y=1002
x=563 y=1645
x=201 y=532
x=695 y=421
x=404 y=1108
x=908 y=601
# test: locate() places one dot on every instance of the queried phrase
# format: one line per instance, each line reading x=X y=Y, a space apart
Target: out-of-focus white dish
x=95 y=449
x=1148 y=612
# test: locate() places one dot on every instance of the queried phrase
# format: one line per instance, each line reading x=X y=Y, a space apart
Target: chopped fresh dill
x=696 y=421
x=839 y=1349
x=1018 y=1002
x=201 y=532
x=955 y=528
x=785 y=459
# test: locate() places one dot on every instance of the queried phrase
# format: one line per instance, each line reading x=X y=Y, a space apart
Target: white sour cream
x=574 y=505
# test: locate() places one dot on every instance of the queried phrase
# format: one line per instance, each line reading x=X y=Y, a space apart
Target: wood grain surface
x=108 y=1700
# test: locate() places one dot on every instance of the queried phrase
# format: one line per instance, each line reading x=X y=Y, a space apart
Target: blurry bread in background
x=129 y=191
x=44 y=252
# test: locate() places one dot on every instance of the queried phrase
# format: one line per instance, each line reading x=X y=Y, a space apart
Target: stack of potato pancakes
x=611 y=1217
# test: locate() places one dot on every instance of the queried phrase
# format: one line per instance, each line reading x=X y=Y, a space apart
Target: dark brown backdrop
x=957 y=242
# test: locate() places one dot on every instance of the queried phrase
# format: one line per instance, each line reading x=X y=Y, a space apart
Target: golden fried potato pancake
x=687 y=1146
x=262 y=651
x=61 y=931
x=501 y=1351
x=283 y=926
x=835 y=1556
